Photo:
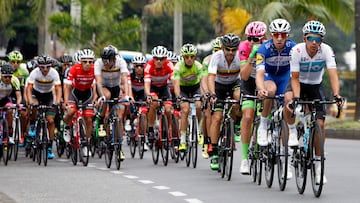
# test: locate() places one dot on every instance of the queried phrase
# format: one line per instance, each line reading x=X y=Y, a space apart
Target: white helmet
x=159 y=51
x=314 y=27
x=280 y=25
x=140 y=59
x=86 y=53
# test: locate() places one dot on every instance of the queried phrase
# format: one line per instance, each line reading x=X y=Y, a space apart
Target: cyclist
x=255 y=32
x=42 y=80
x=223 y=81
x=136 y=78
x=8 y=84
x=79 y=85
x=66 y=63
x=216 y=46
x=156 y=75
x=188 y=77
x=110 y=73
x=21 y=72
x=272 y=70
x=171 y=56
x=307 y=63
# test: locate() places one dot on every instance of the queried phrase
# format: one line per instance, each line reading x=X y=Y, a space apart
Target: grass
x=342 y=124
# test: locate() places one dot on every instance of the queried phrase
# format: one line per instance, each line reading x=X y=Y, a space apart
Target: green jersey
x=188 y=76
x=21 y=73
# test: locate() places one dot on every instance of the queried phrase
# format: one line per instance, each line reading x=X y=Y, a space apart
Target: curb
x=349 y=134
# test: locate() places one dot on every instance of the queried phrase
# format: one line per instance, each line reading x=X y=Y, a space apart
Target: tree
x=357 y=34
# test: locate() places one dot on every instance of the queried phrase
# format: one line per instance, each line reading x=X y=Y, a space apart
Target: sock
x=244 y=154
x=183 y=137
x=263 y=120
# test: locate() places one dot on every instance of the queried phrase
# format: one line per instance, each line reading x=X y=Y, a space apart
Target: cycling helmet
x=65 y=58
x=76 y=57
x=216 y=44
x=108 y=52
x=86 y=53
x=188 y=49
x=7 y=69
x=314 y=27
x=172 y=56
x=45 y=60
x=255 y=29
x=159 y=51
x=138 y=59
x=15 y=56
x=280 y=25
x=230 y=40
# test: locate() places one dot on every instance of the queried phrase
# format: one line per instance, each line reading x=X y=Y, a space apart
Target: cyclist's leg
x=152 y=115
x=185 y=108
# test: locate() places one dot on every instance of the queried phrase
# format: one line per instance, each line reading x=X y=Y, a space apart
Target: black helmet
x=7 y=69
x=108 y=52
x=230 y=40
x=66 y=58
x=44 y=60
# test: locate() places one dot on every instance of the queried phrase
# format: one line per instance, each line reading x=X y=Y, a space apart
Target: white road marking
x=146 y=181
x=131 y=176
x=103 y=169
x=161 y=187
x=177 y=194
x=116 y=172
x=193 y=200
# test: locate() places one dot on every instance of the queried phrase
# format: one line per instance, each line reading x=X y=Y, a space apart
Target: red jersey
x=80 y=79
x=158 y=77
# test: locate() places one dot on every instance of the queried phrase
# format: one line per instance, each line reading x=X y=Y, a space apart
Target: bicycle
x=97 y=142
x=79 y=143
x=137 y=134
x=309 y=131
x=226 y=143
x=16 y=130
x=41 y=140
x=61 y=145
x=6 y=147
x=115 y=132
x=192 y=132
x=276 y=152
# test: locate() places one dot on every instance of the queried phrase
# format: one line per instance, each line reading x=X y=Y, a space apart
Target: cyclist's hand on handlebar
x=213 y=99
x=339 y=100
x=262 y=94
x=148 y=98
x=101 y=99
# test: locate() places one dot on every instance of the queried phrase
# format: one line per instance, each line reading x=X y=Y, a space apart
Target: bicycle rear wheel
x=258 y=166
x=164 y=130
x=6 y=146
x=117 y=145
x=282 y=157
x=317 y=137
x=72 y=147
x=44 y=143
x=253 y=152
x=16 y=136
x=141 y=132
x=229 y=148
x=84 y=143
x=269 y=162
x=300 y=167
x=194 y=141
x=174 y=146
x=155 y=148
x=108 y=153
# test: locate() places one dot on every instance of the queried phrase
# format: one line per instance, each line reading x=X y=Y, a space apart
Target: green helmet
x=216 y=44
x=188 y=49
x=15 y=56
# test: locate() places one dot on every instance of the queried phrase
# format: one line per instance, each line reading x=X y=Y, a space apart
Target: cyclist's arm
x=204 y=84
x=245 y=69
x=124 y=81
x=211 y=83
x=295 y=84
x=259 y=80
x=99 y=89
x=58 y=91
x=334 y=79
x=18 y=97
x=67 y=88
x=29 y=92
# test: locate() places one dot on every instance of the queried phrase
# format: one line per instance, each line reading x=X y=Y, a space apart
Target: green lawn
x=342 y=124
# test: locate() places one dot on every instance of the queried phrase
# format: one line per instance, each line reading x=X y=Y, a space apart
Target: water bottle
x=306 y=138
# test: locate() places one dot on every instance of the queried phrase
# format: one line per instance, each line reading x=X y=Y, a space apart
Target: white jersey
x=311 y=70
x=225 y=74
x=111 y=77
x=44 y=84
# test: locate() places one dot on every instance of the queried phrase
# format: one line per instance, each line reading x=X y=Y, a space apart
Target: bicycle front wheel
x=117 y=145
x=269 y=161
x=16 y=136
x=140 y=133
x=164 y=130
x=282 y=154
x=300 y=167
x=194 y=141
x=317 y=164
x=6 y=146
x=44 y=143
x=84 y=143
x=174 y=143
x=155 y=148
x=230 y=145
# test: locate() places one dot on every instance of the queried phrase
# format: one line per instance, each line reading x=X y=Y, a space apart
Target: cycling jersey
x=111 y=76
x=7 y=89
x=137 y=83
x=42 y=83
x=225 y=74
x=158 y=77
x=244 y=51
x=21 y=73
x=80 y=79
x=268 y=58
x=311 y=69
x=188 y=76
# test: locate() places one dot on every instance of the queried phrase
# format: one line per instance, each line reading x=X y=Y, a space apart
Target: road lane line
x=116 y=172
x=177 y=194
x=131 y=176
x=161 y=187
x=146 y=181
x=193 y=200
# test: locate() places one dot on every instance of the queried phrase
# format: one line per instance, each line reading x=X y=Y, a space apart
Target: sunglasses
x=312 y=38
x=189 y=57
x=7 y=76
x=87 y=61
x=159 y=58
x=254 y=39
x=232 y=49
x=139 y=66
x=17 y=62
x=278 y=34
x=43 y=67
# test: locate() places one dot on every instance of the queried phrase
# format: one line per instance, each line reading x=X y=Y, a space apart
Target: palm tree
x=6 y=10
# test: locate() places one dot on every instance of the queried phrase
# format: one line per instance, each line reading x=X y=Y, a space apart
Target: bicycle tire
x=164 y=130
x=45 y=143
x=222 y=151
x=229 y=148
x=194 y=141
x=6 y=146
x=174 y=142
x=72 y=145
x=60 y=144
x=155 y=148
x=282 y=157
x=316 y=134
x=141 y=133
x=16 y=136
x=117 y=145
x=38 y=143
x=300 y=167
x=132 y=145
x=259 y=163
x=253 y=151
x=84 y=143
x=109 y=151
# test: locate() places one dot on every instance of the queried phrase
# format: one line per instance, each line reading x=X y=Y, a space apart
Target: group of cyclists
x=256 y=66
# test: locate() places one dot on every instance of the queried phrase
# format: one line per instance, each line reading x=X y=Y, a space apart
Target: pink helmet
x=255 y=29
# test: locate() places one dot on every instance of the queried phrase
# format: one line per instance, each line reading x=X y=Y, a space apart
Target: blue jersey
x=268 y=58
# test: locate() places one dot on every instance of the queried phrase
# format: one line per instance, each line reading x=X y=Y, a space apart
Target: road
x=142 y=181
